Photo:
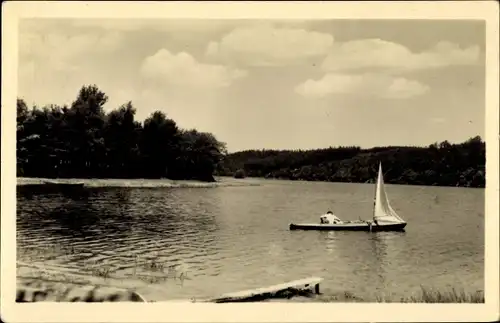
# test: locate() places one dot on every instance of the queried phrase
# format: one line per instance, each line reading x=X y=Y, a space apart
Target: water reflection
x=384 y=250
x=361 y=260
x=330 y=242
x=379 y=251
x=112 y=226
x=30 y=191
x=75 y=219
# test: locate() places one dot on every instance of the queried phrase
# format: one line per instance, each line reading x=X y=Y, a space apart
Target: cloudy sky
x=271 y=84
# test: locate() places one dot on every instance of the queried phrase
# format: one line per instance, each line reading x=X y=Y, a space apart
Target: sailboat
x=384 y=216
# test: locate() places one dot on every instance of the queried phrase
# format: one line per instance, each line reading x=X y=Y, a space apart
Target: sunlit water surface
x=226 y=239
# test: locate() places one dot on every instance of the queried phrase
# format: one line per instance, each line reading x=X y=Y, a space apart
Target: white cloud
x=60 y=46
x=167 y=26
x=377 y=53
x=53 y=64
x=267 y=45
x=184 y=70
x=363 y=84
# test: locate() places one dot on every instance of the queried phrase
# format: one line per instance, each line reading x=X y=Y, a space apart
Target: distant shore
x=144 y=183
x=220 y=181
x=439 y=164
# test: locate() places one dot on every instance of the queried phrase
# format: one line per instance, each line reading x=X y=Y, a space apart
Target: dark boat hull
x=349 y=227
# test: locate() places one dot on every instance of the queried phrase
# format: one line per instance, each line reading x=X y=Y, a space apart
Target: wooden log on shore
x=286 y=290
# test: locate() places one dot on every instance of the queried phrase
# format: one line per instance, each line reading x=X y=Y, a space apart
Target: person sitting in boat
x=330 y=218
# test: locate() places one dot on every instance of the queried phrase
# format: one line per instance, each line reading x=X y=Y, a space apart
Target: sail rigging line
x=382 y=209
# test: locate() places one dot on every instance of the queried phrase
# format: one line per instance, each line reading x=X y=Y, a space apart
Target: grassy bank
x=148 y=275
x=426 y=295
x=145 y=282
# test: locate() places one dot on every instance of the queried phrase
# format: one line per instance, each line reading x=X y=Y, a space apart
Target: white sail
x=383 y=212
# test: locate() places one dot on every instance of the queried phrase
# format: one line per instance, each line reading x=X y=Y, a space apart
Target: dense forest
x=83 y=141
x=442 y=164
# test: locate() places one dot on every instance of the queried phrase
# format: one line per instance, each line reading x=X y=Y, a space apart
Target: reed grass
x=103 y=272
x=429 y=295
x=426 y=295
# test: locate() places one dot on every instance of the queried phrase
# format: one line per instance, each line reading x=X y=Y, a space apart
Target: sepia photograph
x=297 y=161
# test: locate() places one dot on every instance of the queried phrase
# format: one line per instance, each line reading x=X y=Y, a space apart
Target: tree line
x=83 y=141
x=440 y=164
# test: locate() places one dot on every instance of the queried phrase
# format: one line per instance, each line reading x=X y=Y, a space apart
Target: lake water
x=227 y=239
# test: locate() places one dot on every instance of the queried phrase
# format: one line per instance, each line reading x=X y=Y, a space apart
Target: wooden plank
x=271 y=291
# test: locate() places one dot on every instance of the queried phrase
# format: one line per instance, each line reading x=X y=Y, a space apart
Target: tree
x=85 y=131
x=121 y=135
x=200 y=155
x=159 y=145
x=84 y=141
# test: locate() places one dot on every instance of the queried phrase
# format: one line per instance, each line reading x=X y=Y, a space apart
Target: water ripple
x=230 y=238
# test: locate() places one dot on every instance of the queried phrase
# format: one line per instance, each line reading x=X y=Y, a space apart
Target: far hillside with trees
x=442 y=164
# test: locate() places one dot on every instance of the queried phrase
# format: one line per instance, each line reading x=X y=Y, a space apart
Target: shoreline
x=136 y=183
x=220 y=181
x=426 y=294
x=356 y=183
x=57 y=278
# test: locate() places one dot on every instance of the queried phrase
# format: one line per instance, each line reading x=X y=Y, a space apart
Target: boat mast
x=375 y=193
